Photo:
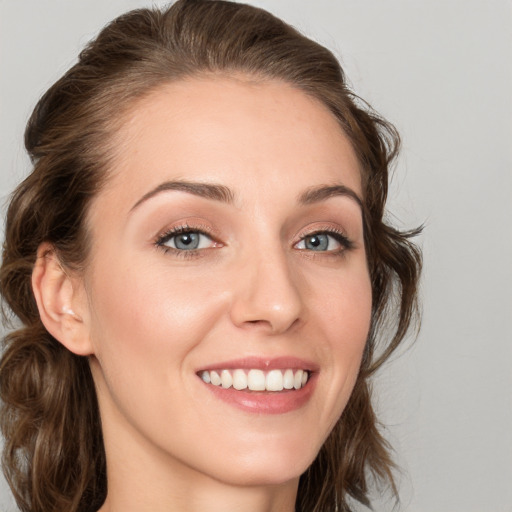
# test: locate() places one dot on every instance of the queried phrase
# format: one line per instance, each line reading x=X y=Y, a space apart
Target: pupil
x=187 y=241
x=317 y=242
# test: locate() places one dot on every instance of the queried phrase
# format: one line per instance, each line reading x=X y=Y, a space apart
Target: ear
x=61 y=301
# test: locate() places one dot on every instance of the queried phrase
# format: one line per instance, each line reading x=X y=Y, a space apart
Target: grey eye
x=188 y=241
x=319 y=242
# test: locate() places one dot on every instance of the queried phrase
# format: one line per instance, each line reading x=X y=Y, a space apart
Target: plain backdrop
x=441 y=70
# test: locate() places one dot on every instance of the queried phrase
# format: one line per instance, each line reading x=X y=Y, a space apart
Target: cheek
x=342 y=304
x=147 y=325
x=149 y=315
x=343 y=316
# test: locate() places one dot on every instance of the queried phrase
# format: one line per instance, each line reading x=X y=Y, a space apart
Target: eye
x=185 y=239
x=324 y=242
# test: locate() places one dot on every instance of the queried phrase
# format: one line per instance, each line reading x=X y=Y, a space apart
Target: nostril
x=269 y=326
x=256 y=323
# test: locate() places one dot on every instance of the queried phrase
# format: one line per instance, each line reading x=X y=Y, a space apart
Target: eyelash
x=339 y=236
x=163 y=238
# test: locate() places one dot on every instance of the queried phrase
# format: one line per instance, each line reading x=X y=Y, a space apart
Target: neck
x=194 y=498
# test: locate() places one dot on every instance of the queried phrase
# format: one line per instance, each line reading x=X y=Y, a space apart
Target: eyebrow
x=317 y=194
x=207 y=190
x=225 y=195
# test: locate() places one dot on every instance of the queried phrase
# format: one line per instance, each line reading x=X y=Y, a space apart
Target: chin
x=266 y=467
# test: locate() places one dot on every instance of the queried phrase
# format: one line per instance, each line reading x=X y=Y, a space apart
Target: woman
x=202 y=270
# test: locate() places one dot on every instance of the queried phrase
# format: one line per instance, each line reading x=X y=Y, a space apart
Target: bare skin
x=279 y=271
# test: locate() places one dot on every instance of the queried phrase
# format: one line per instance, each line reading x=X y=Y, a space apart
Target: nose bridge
x=267 y=294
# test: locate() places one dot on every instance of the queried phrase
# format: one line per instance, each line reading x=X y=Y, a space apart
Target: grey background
x=442 y=72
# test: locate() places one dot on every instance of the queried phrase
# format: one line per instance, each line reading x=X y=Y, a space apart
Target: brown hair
x=53 y=455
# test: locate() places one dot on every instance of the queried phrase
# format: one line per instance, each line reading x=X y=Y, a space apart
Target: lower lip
x=266 y=402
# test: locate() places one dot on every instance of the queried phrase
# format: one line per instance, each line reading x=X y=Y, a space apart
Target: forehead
x=262 y=135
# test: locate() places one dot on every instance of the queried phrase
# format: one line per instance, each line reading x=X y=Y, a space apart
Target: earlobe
x=59 y=299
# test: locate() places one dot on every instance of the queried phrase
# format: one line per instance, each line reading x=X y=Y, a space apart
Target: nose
x=266 y=295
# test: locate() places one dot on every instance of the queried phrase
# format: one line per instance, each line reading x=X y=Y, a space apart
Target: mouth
x=263 y=386
x=254 y=379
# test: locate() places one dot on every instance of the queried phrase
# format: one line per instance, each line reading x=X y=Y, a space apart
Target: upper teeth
x=257 y=380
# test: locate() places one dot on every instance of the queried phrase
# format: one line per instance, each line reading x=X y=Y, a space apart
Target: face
x=228 y=293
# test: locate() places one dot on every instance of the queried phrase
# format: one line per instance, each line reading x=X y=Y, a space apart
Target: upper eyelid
x=319 y=229
x=171 y=231
x=322 y=231
x=332 y=233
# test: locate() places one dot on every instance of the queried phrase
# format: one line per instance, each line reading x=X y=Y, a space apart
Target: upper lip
x=263 y=363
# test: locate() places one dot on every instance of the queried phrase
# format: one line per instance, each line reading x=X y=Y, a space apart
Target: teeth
x=227 y=380
x=297 y=380
x=288 y=379
x=257 y=380
x=239 y=379
x=215 y=379
x=274 y=381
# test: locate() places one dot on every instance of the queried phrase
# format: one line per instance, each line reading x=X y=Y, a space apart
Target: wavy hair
x=53 y=455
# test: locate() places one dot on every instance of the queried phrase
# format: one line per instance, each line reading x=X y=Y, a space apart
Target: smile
x=256 y=380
